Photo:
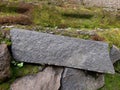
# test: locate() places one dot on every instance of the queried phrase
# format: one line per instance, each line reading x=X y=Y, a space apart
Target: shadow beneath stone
x=77 y=15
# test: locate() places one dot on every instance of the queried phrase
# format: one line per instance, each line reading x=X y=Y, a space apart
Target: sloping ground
x=51 y=17
x=62 y=15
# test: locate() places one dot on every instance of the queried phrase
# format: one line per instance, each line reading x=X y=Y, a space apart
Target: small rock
x=2 y=27
x=115 y=54
x=51 y=32
x=74 y=79
x=4 y=62
x=49 y=79
x=83 y=32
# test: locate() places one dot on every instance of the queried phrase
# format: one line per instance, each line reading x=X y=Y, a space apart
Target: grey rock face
x=49 y=79
x=103 y=3
x=35 y=47
x=4 y=62
x=115 y=54
x=74 y=79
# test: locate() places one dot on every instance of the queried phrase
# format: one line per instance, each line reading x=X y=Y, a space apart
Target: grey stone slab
x=115 y=54
x=49 y=79
x=74 y=79
x=35 y=47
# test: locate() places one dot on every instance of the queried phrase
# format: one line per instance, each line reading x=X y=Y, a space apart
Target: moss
x=4 y=86
x=25 y=70
x=18 y=72
x=112 y=81
x=81 y=17
x=46 y=16
x=3 y=36
x=111 y=36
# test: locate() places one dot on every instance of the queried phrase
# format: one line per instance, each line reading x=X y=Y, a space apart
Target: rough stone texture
x=115 y=54
x=4 y=62
x=49 y=79
x=35 y=47
x=74 y=1
x=113 y=4
x=74 y=79
x=103 y=3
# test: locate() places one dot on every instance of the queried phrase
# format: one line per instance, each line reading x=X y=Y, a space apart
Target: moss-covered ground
x=54 y=17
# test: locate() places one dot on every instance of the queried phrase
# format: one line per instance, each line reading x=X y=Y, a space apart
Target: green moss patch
x=111 y=36
x=17 y=72
x=112 y=82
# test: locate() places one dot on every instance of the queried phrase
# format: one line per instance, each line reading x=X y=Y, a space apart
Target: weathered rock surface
x=4 y=62
x=112 y=4
x=49 y=79
x=74 y=79
x=35 y=47
x=115 y=54
x=103 y=3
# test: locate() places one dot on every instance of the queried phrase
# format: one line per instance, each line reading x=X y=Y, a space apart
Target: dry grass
x=97 y=38
x=17 y=19
x=111 y=36
x=24 y=8
x=15 y=14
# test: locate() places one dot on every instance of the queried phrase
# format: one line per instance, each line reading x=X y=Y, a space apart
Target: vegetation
x=18 y=72
x=82 y=17
x=50 y=17
x=111 y=36
x=112 y=82
x=61 y=16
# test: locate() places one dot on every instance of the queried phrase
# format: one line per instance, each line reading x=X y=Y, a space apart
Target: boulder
x=34 y=47
x=74 y=79
x=49 y=79
x=114 y=54
x=4 y=62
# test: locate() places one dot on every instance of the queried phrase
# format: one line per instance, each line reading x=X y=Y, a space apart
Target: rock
x=35 y=47
x=113 y=4
x=49 y=79
x=74 y=79
x=115 y=54
x=4 y=62
x=83 y=32
x=2 y=27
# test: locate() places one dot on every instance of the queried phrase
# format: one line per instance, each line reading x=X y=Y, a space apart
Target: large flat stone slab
x=35 y=47
x=74 y=79
x=49 y=79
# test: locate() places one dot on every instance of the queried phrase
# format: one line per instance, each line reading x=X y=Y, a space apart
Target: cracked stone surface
x=49 y=79
x=74 y=79
x=35 y=47
x=115 y=54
